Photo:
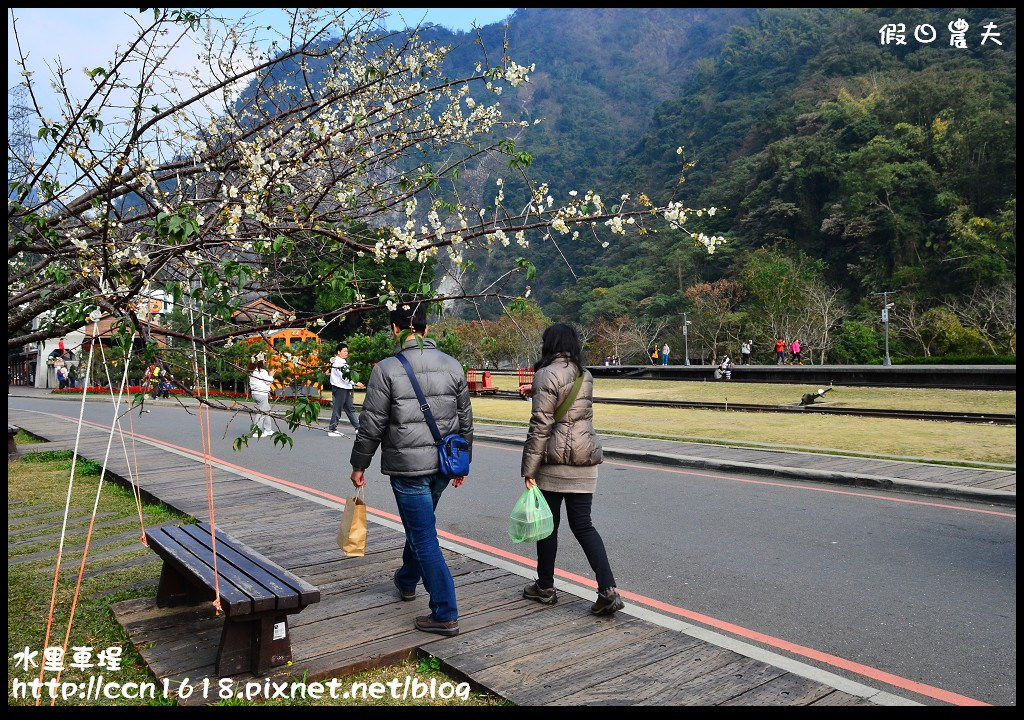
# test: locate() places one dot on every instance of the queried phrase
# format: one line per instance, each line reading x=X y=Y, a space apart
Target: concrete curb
x=960 y=492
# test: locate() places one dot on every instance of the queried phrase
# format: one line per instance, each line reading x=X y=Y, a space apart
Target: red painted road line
x=787 y=485
x=801 y=650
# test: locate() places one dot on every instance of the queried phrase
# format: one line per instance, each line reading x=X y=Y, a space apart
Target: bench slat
x=285 y=596
x=262 y=598
x=167 y=546
x=308 y=593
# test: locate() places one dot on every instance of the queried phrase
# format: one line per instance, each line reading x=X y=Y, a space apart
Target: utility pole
x=686 y=338
x=886 y=305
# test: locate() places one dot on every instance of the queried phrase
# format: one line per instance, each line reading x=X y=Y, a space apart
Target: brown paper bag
x=352 y=533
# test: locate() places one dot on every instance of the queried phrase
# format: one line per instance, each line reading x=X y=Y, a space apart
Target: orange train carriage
x=296 y=365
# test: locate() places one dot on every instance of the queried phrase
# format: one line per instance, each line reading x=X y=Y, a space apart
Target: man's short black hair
x=341 y=346
x=413 y=315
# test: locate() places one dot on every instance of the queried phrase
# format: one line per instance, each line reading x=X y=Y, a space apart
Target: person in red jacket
x=780 y=351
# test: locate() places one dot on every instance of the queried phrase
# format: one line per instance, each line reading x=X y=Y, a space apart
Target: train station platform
x=960 y=377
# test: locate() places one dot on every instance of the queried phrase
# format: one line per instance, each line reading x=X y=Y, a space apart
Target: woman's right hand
x=530 y=483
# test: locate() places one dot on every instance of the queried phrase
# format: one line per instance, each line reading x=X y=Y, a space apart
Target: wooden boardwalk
x=526 y=652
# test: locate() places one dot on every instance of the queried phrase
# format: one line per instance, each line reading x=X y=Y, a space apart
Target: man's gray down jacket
x=573 y=440
x=392 y=419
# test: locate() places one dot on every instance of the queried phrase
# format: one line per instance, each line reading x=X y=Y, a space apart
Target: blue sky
x=453 y=18
x=83 y=37
x=86 y=37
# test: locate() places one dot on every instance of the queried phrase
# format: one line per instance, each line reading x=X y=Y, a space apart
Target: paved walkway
x=906 y=475
x=636 y=657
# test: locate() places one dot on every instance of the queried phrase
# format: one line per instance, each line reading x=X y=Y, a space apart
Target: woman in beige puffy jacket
x=561 y=458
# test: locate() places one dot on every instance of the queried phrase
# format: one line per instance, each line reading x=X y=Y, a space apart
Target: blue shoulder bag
x=452 y=450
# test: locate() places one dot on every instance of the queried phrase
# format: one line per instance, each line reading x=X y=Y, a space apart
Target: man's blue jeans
x=417 y=498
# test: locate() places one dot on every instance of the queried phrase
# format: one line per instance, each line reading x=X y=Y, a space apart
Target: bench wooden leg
x=254 y=644
x=175 y=589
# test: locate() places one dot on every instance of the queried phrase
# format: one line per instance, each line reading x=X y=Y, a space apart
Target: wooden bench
x=256 y=594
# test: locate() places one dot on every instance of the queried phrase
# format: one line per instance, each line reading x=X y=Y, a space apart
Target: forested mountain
x=843 y=166
x=894 y=165
x=846 y=165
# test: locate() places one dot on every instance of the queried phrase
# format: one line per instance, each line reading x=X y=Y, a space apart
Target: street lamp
x=686 y=338
x=886 y=305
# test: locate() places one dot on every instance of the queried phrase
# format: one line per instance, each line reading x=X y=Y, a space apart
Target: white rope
x=74 y=458
x=95 y=507
x=67 y=501
x=136 y=490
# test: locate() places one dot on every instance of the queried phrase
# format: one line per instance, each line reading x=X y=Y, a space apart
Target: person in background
x=561 y=459
x=794 y=351
x=341 y=390
x=664 y=354
x=166 y=383
x=780 y=352
x=745 y=351
x=726 y=367
x=260 y=381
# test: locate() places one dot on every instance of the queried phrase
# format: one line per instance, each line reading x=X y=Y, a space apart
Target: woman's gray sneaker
x=608 y=603
x=535 y=592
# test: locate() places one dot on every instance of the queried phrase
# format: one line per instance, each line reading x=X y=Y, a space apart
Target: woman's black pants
x=577 y=511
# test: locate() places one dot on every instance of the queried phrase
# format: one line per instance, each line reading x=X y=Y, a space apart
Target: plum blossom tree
x=225 y=181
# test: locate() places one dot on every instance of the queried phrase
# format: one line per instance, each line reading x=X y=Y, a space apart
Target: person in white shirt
x=726 y=367
x=745 y=352
x=260 y=380
x=341 y=389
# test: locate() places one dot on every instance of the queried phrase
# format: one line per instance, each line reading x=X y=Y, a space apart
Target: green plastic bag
x=531 y=518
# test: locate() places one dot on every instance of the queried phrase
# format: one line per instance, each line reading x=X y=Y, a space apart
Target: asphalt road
x=923 y=590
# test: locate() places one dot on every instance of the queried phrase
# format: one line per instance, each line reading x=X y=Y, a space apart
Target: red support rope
x=202 y=388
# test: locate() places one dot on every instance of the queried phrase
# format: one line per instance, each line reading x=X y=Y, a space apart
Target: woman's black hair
x=560 y=339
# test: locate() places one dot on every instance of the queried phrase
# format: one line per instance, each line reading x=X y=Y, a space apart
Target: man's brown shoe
x=427 y=623
x=404 y=594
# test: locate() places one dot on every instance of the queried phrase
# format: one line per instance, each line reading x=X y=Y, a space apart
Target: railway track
x=934 y=415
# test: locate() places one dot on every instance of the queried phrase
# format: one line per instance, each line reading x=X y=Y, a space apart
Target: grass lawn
x=993 y=401
x=940 y=441
x=944 y=441
x=42 y=479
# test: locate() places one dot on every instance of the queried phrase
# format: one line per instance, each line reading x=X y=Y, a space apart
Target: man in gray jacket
x=392 y=418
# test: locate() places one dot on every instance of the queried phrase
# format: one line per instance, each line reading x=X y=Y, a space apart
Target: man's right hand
x=530 y=483
x=357 y=478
